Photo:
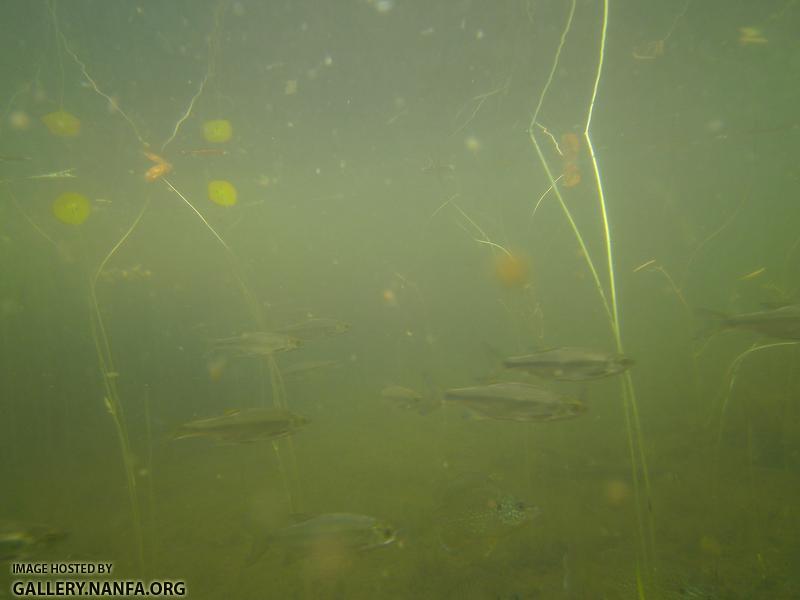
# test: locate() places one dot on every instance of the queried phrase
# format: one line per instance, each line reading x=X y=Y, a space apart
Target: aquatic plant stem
x=290 y=476
x=212 y=49
x=186 y=114
x=633 y=427
x=213 y=45
x=99 y=332
x=112 y=399
x=734 y=373
x=485 y=238
x=248 y=295
x=479 y=99
x=495 y=246
x=151 y=495
x=543 y=196
x=552 y=180
x=199 y=215
x=561 y=42
x=574 y=226
x=111 y=101
x=118 y=245
x=629 y=394
x=276 y=381
x=599 y=182
x=32 y=223
x=653 y=266
x=710 y=237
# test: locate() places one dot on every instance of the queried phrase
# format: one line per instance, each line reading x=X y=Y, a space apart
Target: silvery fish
x=473 y=516
x=511 y=401
x=328 y=535
x=255 y=343
x=312 y=329
x=570 y=364
x=20 y=540
x=782 y=322
x=244 y=425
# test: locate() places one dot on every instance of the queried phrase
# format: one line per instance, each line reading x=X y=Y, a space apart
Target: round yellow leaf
x=62 y=123
x=71 y=208
x=218 y=132
x=222 y=192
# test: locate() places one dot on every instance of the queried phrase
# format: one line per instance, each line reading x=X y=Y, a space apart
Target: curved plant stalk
x=30 y=220
x=99 y=332
x=653 y=266
x=610 y=304
x=552 y=180
x=696 y=250
x=248 y=295
x=112 y=400
x=543 y=196
x=733 y=374
x=108 y=372
x=112 y=102
x=151 y=494
x=213 y=46
x=187 y=113
x=632 y=409
x=276 y=380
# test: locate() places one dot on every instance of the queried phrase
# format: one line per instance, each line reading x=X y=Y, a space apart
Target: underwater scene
x=400 y=299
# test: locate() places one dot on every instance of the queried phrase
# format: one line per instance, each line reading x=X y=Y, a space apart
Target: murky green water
x=383 y=155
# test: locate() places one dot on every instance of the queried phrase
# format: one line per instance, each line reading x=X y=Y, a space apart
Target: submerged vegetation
x=208 y=206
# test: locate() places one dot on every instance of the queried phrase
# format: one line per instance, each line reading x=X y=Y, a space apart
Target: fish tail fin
x=716 y=322
x=711 y=314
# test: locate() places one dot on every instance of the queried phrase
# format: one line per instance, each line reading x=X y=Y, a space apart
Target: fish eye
x=520 y=506
x=388 y=533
